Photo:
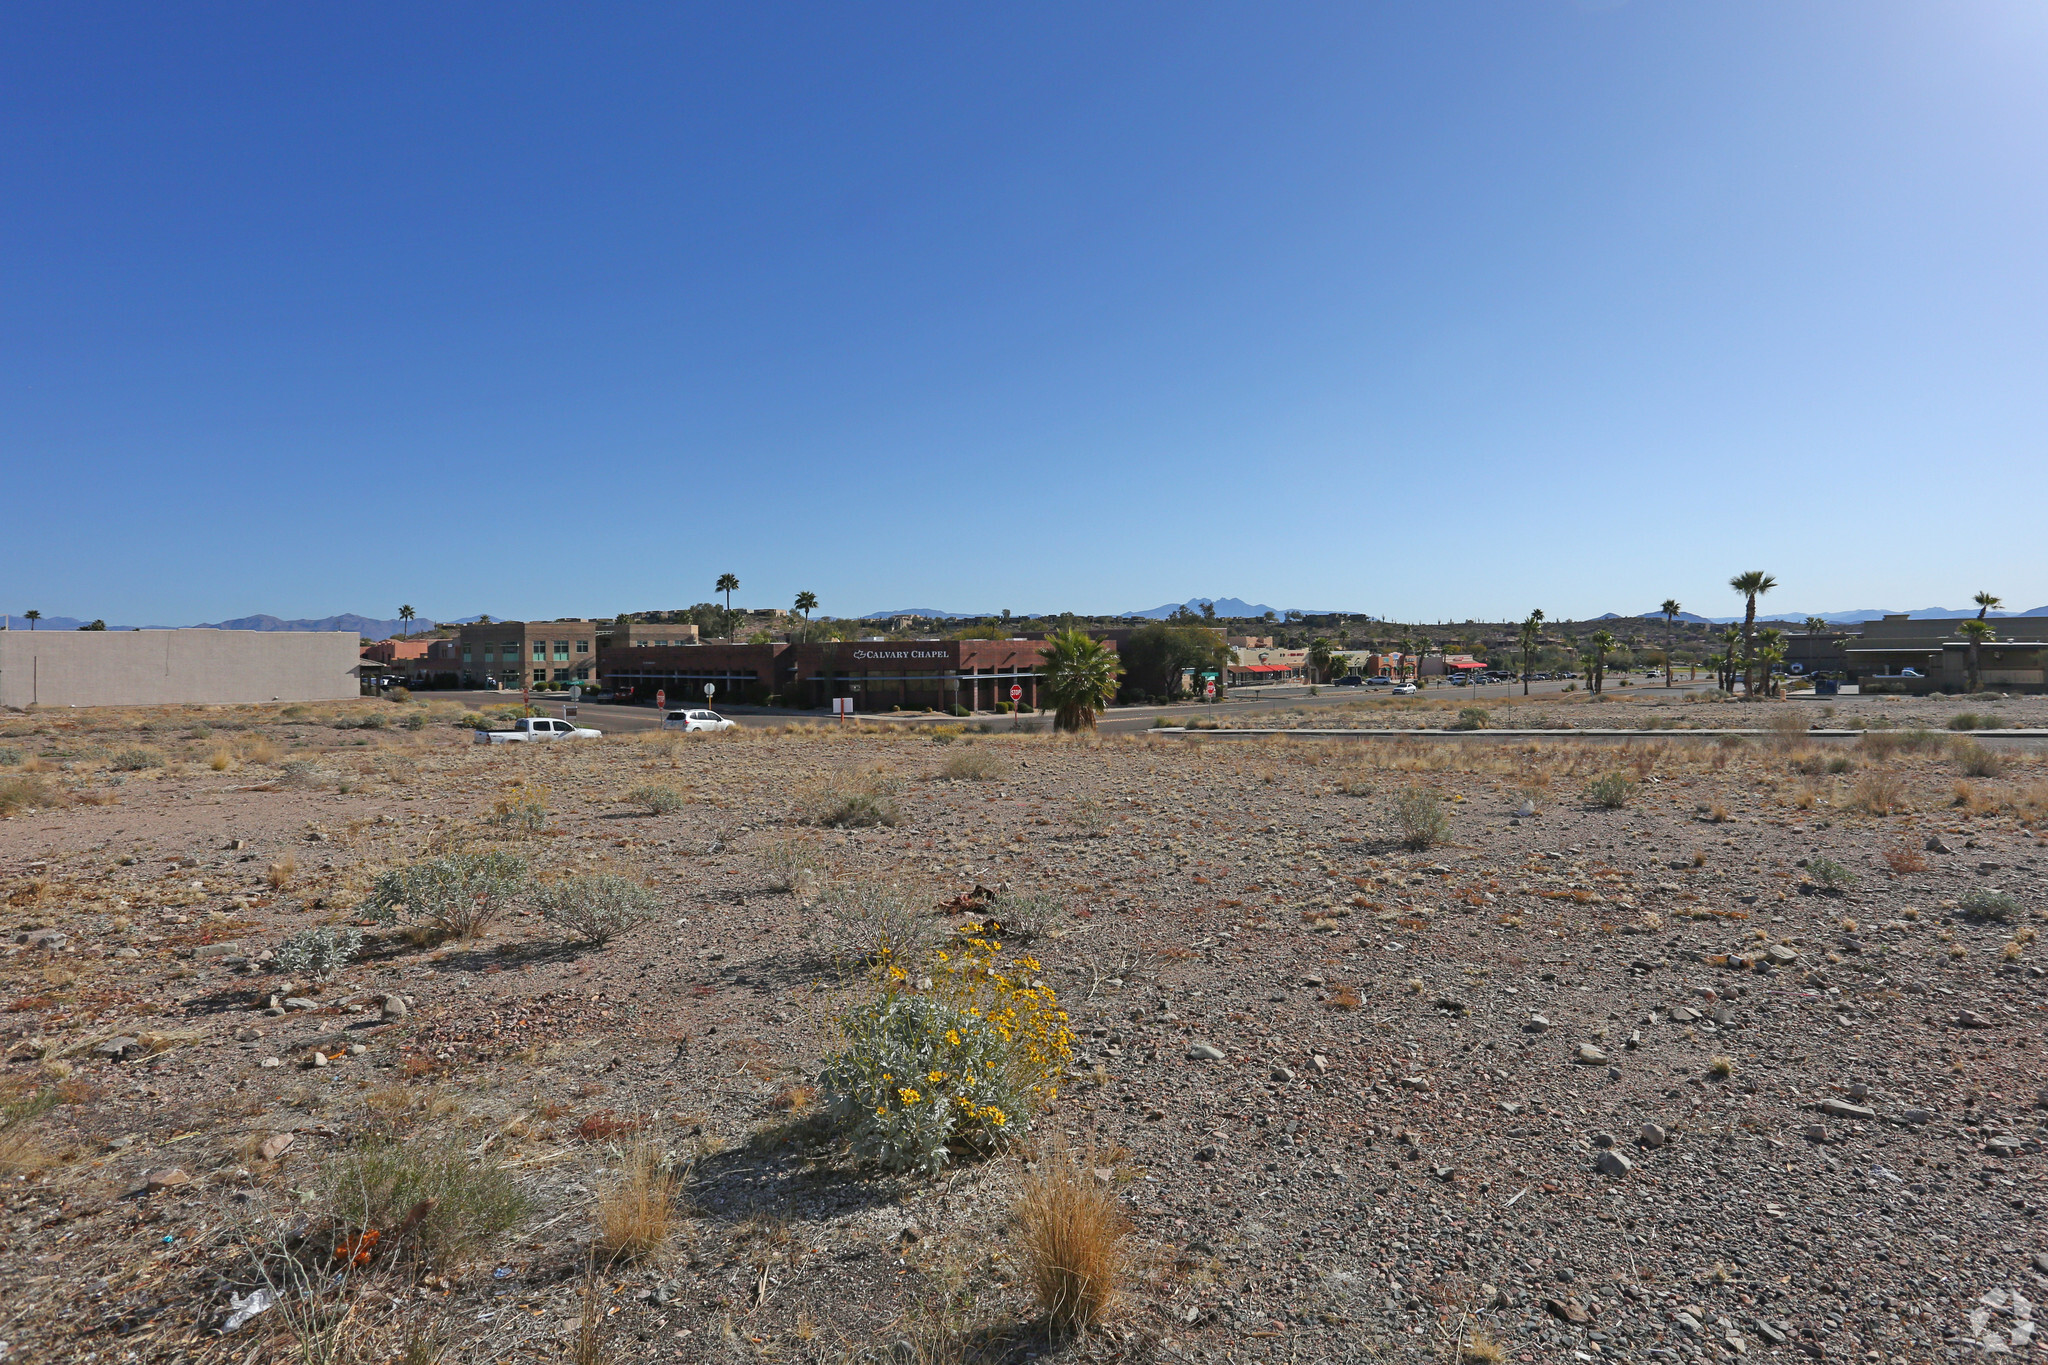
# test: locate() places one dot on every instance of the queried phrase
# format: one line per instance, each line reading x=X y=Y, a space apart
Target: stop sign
x=1016 y=692
x=660 y=699
x=1209 y=688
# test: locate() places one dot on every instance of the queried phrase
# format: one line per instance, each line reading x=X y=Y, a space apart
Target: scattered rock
x=1204 y=1052
x=1653 y=1136
x=395 y=1007
x=1613 y=1163
x=1972 y=1019
x=164 y=1178
x=276 y=1145
x=1588 y=1055
x=119 y=1047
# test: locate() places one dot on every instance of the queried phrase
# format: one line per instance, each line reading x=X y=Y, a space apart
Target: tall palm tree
x=1977 y=632
x=1078 y=676
x=33 y=617
x=1751 y=585
x=1731 y=661
x=1596 y=659
x=1816 y=625
x=1986 y=601
x=806 y=602
x=406 y=614
x=1670 y=611
x=1532 y=636
x=728 y=584
x=484 y=619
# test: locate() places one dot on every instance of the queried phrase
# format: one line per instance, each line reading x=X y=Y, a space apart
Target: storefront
x=878 y=675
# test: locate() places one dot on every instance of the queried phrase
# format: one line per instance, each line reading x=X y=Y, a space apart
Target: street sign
x=569 y=711
x=660 y=699
x=1016 y=692
x=576 y=692
x=842 y=706
x=1209 y=688
x=709 y=688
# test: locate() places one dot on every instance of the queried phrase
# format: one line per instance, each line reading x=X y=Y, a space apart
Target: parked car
x=1379 y=682
x=1350 y=680
x=536 y=727
x=1404 y=690
x=695 y=720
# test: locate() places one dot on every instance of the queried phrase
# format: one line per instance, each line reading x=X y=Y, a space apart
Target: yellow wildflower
x=907 y=1095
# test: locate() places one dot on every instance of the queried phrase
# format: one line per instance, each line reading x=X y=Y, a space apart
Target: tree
x=1079 y=677
x=1816 y=625
x=1986 y=601
x=484 y=620
x=1730 y=660
x=33 y=617
x=406 y=614
x=1532 y=636
x=1770 y=652
x=1208 y=611
x=1597 y=648
x=1751 y=585
x=1977 y=632
x=1323 y=655
x=807 y=602
x=1670 y=609
x=1159 y=652
x=97 y=624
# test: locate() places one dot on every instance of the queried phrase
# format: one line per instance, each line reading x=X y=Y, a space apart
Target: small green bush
x=1611 y=791
x=1985 y=904
x=659 y=798
x=1024 y=915
x=596 y=907
x=960 y=1067
x=793 y=865
x=847 y=802
x=1977 y=761
x=1473 y=718
x=1974 y=720
x=472 y=720
x=871 y=921
x=10 y=757
x=135 y=758
x=1828 y=873
x=417 y=720
x=322 y=952
x=973 y=765
x=1420 y=818
x=470 y=1203
x=523 y=808
x=459 y=894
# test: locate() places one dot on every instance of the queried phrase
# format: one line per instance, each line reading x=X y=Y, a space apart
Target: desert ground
x=1404 y=1051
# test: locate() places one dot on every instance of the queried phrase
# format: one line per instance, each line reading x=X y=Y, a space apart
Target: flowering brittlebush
x=963 y=1064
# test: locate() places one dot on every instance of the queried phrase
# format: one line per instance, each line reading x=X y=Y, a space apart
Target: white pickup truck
x=536 y=727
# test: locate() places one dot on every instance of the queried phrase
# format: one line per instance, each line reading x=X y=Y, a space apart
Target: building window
x=465 y=654
x=540 y=675
x=562 y=650
x=540 y=651
x=583 y=646
x=583 y=674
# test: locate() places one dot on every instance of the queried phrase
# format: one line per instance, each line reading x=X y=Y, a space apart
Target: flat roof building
x=162 y=667
x=875 y=674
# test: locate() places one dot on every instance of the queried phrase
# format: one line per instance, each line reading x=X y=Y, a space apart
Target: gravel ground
x=1735 y=1067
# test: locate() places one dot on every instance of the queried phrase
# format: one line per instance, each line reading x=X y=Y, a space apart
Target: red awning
x=1261 y=668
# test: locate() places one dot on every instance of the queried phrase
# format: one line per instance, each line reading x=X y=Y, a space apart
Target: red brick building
x=877 y=674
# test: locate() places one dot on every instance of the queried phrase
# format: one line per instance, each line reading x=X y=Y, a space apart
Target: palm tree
x=406 y=614
x=1079 y=677
x=1669 y=611
x=33 y=617
x=1986 y=601
x=806 y=602
x=1770 y=651
x=1322 y=656
x=1596 y=659
x=1532 y=636
x=1977 y=632
x=484 y=619
x=1751 y=585
x=1816 y=625
x=728 y=584
x=1731 y=661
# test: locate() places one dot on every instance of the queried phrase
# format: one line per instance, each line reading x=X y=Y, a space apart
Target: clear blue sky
x=1429 y=311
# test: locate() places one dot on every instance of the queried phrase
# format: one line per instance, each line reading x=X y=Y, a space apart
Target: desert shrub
x=658 y=797
x=596 y=907
x=1977 y=761
x=259 y=749
x=459 y=1204
x=21 y=1151
x=1788 y=727
x=1473 y=718
x=1611 y=791
x=870 y=921
x=322 y=952
x=846 y=801
x=1841 y=763
x=374 y=721
x=298 y=773
x=28 y=793
x=135 y=758
x=280 y=873
x=793 y=865
x=458 y=894
x=10 y=757
x=1830 y=874
x=1986 y=904
x=1088 y=816
x=415 y=721
x=472 y=720
x=523 y=807
x=962 y=1066
x=1904 y=858
x=1880 y=744
x=1974 y=720
x=636 y=1212
x=1420 y=819
x=1072 y=1230
x=1024 y=914
x=973 y=765
x=1878 y=793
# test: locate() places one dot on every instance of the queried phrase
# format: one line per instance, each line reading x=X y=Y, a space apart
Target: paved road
x=1243 y=702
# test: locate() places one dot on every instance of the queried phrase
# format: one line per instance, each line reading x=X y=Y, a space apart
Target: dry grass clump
x=452 y=1204
x=282 y=873
x=29 y=793
x=793 y=865
x=21 y=1151
x=1878 y=793
x=1904 y=858
x=1420 y=819
x=846 y=801
x=1481 y=1349
x=1977 y=761
x=1722 y=1067
x=1072 y=1231
x=523 y=807
x=636 y=1213
x=1788 y=727
x=973 y=764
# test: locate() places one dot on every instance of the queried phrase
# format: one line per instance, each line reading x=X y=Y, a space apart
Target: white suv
x=695 y=720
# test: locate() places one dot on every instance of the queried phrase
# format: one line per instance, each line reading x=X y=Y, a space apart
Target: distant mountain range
x=367 y=627
x=1833 y=618
x=1227 y=606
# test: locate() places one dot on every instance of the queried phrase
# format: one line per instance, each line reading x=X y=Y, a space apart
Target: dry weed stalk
x=636 y=1213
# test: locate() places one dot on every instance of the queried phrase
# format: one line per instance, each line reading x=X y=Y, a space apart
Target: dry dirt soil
x=1746 y=1063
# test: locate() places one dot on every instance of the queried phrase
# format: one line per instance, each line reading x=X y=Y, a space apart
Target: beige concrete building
x=160 y=667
